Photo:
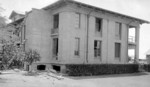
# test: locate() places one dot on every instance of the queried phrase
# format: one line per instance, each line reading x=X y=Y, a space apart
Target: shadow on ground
x=108 y=76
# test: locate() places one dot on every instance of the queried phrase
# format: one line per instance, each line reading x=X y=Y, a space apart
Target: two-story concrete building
x=70 y=32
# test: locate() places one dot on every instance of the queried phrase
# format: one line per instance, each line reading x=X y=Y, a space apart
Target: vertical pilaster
x=137 y=35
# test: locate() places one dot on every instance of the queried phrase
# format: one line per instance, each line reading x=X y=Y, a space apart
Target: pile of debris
x=50 y=73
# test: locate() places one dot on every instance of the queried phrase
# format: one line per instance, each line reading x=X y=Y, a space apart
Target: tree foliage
x=2 y=18
x=14 y=56
x=31 y=56
x=9 y=51
x=11 y=55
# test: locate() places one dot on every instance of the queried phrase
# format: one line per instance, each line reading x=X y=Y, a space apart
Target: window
x=41 y=67
x=18 y=45
x=56 y=21
x=117 y=50
x=77 y=21
x=77 y=47
x=57 y=68
x=98 y=25
x=55 y=47
x=118 y=31
x=131 y=34
x=97 y=48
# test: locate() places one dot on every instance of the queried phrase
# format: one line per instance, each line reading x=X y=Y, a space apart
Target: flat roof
x=93 y=7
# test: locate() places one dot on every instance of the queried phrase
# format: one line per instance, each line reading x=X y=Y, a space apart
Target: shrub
x=31 y=56
x=100 y=69
x=1 y=66
x=147 y=67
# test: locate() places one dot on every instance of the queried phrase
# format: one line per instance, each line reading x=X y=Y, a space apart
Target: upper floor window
x=118 y=30
x=98 y=25
x=77 y=21
x=56 y=21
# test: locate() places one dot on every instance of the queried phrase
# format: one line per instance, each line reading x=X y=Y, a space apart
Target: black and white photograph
x=74 y=43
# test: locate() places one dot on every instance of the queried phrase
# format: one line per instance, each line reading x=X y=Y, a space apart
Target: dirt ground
x=13 y=78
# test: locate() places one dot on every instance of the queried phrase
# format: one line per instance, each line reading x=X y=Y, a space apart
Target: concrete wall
x=69 y=33
x=38 y=34
x=38 y=25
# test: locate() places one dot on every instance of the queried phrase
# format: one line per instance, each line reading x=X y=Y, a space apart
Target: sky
x=135 y=8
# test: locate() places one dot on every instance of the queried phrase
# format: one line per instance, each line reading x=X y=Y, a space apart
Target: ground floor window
x=97 y=49
x=117 y=50
x=55 y=47
x=77 y=47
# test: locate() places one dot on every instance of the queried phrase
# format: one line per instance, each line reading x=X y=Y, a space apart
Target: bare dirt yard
x=11 y=78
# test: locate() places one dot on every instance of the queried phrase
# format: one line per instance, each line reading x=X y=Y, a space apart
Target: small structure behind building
x=148 y=56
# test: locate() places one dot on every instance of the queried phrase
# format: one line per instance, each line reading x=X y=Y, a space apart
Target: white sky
x=135 y=8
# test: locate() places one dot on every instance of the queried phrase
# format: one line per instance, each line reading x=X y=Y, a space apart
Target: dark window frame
x=98 y=24
x=97 y=49
x=77 y=45
x=56 y=21
x=118 y=50
x=118 y=35
x=55 y=47
x=79 y=19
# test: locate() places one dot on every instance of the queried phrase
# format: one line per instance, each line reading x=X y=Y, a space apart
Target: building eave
x=15 y=13
x=141 y=21
x=16 y=22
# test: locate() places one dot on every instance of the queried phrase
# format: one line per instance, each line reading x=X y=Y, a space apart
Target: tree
x=2 y=18
x=2 y=21
x=12 y=55
x=8 y=51
x=16 y=56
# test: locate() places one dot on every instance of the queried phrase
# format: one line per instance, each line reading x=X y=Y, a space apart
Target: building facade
x=70 y=32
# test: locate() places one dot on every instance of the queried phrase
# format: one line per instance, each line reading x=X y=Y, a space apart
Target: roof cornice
x=141 y=21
